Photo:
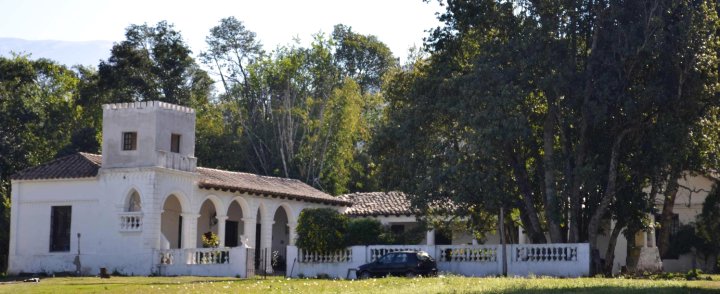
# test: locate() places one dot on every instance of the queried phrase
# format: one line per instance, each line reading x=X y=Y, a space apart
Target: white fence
x=565 y=260
x=202 y=262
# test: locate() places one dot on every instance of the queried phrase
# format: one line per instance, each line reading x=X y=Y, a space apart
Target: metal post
x=502 y=239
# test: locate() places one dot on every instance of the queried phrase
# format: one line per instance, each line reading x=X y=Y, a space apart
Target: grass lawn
x=385 y=285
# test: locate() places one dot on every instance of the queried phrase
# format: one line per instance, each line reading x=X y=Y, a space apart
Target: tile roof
x=85 y=165
x=257 y=184
x=78 y=165
x=378 y=203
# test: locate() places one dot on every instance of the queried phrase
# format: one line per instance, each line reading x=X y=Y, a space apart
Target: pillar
x=249 y=231
x=430 y=237
x=266 y=242
x=189 y=229
x=293 y=233
x=221 y=229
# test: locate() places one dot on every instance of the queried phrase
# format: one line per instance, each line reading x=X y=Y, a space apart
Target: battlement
x=148 y=105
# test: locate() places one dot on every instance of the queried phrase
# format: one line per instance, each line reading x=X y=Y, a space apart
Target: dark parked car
x=401 y=263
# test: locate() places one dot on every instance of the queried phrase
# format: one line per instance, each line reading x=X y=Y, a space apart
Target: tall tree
x=153 y=63
x=550 y=104
x=39 y=112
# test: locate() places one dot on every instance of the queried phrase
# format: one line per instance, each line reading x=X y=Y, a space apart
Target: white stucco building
x=145 y=196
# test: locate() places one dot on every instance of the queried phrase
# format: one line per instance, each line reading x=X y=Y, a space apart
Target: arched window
x=134 y=204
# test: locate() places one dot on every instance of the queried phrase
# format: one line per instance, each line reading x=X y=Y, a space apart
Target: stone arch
x=216 y=201
x=237 y=213
x=133 y=202
x=209 y=211
x=171 y=222
x=282 y=216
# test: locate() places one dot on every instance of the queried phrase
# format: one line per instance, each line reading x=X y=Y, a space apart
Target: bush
x=367 y=231
x=321 y=230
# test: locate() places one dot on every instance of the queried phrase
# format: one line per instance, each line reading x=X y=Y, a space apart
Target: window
x=60 y=228
x=175 y=143
x=129 y=141
x=387 y=259
x=400 y=258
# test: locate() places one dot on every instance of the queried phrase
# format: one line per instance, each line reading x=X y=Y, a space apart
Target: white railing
x=177 y=161
x=466 y=253
x=545 y=252
x=195 y=256
x=131 y=221
x=377 y=251
x=344 y=255
x=562 y=260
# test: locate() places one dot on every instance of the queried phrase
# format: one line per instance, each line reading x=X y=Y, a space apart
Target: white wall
x=561 y=260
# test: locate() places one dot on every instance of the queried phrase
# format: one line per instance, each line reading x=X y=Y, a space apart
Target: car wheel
x=364 y=275
x=410 y=274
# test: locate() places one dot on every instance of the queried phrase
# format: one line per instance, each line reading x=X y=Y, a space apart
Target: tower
x=146 y=134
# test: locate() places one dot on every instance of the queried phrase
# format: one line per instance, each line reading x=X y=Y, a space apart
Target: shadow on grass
x=135 y=283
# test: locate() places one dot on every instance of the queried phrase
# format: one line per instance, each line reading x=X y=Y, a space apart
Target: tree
x=362 y=57
x=153 y=63
x=546 y=107
x=38 y=103
x=321 y=230
x=707 y=226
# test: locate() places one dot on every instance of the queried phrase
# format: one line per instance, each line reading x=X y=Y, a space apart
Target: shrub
x=367 y=231
x=321 y=230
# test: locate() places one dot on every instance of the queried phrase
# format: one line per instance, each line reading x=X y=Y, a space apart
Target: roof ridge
x=250 y=174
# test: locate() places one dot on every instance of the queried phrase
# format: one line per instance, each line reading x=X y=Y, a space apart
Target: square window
x=129 y=141
x=175 y=143
x=60 y=217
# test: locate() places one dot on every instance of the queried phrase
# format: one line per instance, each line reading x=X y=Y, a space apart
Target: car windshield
x=423 y=256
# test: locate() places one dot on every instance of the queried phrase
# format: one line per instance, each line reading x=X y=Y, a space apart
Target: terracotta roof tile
x=378 y=203
x=78 y=165
x=257 y=184
x=85 y=165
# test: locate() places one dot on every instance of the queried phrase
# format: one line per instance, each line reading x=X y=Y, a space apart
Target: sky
x=400 y=24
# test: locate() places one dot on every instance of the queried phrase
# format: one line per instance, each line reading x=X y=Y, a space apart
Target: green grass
x=384 y=285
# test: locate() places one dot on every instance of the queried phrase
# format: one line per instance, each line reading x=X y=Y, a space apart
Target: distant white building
x=142 y=206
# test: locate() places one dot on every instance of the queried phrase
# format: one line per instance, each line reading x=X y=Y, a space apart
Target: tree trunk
x=666 y=219
x=610 y=253
x=533 y=229
x=606 y=199
x=551 y=202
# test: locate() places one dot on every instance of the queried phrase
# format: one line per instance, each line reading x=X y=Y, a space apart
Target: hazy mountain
x=65 y=52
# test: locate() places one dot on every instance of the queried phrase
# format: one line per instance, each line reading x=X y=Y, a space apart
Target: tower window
x=129 y=141
x=175 y=143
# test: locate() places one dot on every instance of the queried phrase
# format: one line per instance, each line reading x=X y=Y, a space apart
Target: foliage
x=321 y=230
x=210 y=240
x=553 y=109
x=38 y=102
x=367 y=231
x=153 y=63
x=708 y=226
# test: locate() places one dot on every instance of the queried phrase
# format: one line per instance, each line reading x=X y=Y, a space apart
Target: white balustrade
x=195 y=256
x=467 y=253
x=344 y=255
x=176 y=161
x=377 y=251
x=131 y=221
x=545 y=252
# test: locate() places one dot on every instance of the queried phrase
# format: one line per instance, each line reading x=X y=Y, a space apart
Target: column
x=249 y=231
x=293 y=233
x=221 y=229
x=189 y=231
x=266 y=243
x=430 y=237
